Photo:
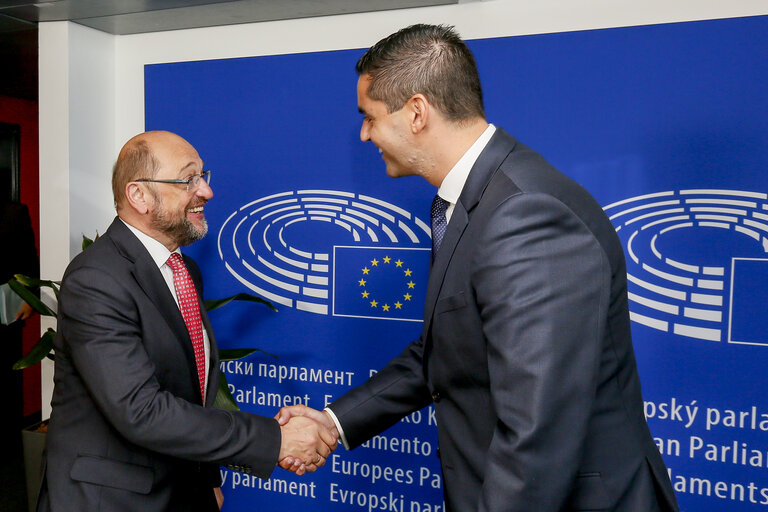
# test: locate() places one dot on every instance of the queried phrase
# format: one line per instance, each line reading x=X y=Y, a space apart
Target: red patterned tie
x=190 y=310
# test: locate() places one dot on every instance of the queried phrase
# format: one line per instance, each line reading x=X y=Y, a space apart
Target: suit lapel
x=212 y=370
x=486 y=165
x=151 y=281
x=213 y=376
x=456 y=227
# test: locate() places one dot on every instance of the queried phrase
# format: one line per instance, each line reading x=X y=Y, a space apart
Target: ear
x=419 y=111
x=137 y=197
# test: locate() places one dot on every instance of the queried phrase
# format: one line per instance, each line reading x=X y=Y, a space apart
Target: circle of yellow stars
x=386 y=307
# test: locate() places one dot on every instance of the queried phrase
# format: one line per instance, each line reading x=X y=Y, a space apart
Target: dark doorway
x=9 y=162
x=12 y=496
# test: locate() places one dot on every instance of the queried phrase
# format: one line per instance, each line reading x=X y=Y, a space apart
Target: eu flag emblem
x=381 y=283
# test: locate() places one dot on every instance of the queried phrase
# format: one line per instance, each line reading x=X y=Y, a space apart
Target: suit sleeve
x=100 y=325
x=542 y=283
x=395 y=391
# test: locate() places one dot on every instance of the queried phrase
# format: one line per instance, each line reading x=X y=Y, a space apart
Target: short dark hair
x=136 y=161
x=427 y=59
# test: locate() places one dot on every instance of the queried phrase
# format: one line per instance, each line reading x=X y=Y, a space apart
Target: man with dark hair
x=526 y=350
x=431 y=59
x=136 y=375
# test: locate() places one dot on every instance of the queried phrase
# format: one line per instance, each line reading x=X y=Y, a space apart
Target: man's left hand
x=25 y=311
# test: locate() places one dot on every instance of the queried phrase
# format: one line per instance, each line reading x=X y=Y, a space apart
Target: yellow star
x=398 y=305
x=385 y=307
x=399 y=263
x=361 y=282
x=408 y=272
x=365 y=294
x=374 y=303
x=387 y=259
x=407 y=296
x=411 y=284
x=374 y=262
x=365 y=270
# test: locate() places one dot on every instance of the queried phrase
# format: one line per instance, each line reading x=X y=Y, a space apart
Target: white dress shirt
x=453 y=183
x=450 y=190
x=160 y=255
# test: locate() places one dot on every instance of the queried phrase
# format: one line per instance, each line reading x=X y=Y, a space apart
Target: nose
x=365 y=132
x=204 y=190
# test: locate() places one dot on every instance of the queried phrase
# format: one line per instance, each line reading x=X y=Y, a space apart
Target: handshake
x=308 y=438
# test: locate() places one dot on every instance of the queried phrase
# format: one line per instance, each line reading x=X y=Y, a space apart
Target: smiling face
x=176 y=214
x=389 y=131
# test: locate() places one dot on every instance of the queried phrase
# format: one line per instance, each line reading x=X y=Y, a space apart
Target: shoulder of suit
x=102 y=253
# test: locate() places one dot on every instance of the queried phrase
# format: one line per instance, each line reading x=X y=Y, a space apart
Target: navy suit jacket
x=128 y=431
x=526 y=352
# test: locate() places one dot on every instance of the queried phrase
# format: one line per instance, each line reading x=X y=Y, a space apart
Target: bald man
x=136 y=369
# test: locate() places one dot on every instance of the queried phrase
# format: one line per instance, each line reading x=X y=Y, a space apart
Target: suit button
x=436 y=396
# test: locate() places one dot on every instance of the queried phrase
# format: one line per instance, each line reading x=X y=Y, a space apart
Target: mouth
x=196 y=209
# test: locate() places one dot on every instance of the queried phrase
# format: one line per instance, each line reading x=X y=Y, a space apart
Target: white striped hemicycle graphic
x=257 y=247
x=666 y=291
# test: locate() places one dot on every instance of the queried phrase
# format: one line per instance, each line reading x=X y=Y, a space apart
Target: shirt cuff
x=342 y=438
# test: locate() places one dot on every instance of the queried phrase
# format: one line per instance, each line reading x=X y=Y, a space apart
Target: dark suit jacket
x=128 y=431
x=19 y=255
x=526 y=352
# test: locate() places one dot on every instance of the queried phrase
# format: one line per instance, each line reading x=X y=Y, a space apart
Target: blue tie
x=439 y=223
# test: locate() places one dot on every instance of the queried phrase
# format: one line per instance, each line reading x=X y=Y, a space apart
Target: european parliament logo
x=330 y=252
x=697 y=262
x=387 y=283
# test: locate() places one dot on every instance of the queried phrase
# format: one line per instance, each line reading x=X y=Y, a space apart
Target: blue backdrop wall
x=665 y=125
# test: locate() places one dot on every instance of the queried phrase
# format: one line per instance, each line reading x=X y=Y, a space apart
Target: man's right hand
x=306 y=443
x=286 y=413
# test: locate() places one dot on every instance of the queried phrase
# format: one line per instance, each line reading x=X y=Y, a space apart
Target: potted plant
x=33 y=438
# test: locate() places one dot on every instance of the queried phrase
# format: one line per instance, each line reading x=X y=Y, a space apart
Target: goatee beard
x=181 y=231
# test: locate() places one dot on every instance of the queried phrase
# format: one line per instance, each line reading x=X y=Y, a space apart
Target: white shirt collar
x=157 y=251
x=453 y=183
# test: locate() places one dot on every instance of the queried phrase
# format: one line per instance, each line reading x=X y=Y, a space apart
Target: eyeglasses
x=192 y=183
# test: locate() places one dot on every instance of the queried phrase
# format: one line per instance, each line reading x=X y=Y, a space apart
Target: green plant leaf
x=87 y=241
x=210 y=305
x=30 y=298
x=224 y=399
x=41 y=349
x=32 y=283
x=230 y=354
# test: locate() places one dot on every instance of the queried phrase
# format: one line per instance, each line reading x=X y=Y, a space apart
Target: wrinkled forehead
x=176 y=156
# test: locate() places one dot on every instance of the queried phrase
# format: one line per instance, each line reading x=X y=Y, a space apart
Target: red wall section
x=24 y=113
